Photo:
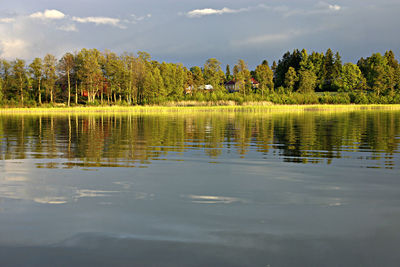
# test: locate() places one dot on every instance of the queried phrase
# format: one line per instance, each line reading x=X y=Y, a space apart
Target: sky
x=190 y=32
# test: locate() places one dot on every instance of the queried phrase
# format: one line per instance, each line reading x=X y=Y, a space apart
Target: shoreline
x=191 y=109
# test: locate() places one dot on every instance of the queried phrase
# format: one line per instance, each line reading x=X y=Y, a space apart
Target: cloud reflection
x=51 y=200
x=200 y=199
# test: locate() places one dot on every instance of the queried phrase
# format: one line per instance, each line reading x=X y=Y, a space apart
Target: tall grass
x=189 y=107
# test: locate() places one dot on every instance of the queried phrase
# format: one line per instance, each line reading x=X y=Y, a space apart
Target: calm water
x=231 y=189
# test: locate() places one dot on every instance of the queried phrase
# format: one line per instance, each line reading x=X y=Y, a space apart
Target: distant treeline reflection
x=136 y=140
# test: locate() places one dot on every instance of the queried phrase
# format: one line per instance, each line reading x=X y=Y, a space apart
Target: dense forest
x=91 y=77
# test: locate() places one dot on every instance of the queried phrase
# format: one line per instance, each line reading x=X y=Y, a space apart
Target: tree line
x=92 y=77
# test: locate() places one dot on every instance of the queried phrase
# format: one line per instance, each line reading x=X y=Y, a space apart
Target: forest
x=91 y=77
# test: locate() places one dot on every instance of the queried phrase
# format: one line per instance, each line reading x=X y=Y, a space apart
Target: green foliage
x=50 y=76
x=377 y=72
x=20 y=77
x=213 y=73
x=393 y=71
x=327 y=70
x=291 y=79
x=242 y=77
x=317 y=60
x=335 y=98
x=238 y=98
x=307 y=81
x=228 y=76
x=36 y=70
x=264 y=76
x=350 y=78
x=288 y=60
x=95 y=78
x=359 y=97
x=1 y=91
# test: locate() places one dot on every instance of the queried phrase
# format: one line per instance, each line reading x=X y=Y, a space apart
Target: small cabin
x=189 y=90
x=206 y=88
x=233 y=86
x=254 y=83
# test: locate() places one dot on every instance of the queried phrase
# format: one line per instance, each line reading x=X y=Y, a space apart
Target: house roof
x=254 y=81
x=230 y=82
x=206 y=87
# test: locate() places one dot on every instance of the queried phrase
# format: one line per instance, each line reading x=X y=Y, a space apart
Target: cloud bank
x=26 y=35
x=99 y=20
x=7 y=20
x=190 y=32
x=48 y=14
x=68 y=28
x=320 y=7
x=197 y=13
x=335 y=7
x=13 y=48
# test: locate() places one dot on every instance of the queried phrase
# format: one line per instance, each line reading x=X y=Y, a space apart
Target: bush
x=396 y=99
x=30 y=103
x=341 y=98
x=359 y=98
x=326 y=98
x=237 y=98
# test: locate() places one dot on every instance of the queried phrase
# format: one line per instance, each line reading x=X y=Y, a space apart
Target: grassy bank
x=247 y=107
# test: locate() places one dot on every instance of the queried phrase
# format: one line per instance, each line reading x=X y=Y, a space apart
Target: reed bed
x=246 y=107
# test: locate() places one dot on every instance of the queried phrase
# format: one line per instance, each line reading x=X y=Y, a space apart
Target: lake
x=206 y=189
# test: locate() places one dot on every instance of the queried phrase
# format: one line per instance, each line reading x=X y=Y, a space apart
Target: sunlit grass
x=194 y=109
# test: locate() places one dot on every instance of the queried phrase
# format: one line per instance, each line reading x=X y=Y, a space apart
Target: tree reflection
x=132 y=140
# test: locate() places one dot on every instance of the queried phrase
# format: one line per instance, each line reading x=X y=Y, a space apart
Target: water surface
x=212 y=189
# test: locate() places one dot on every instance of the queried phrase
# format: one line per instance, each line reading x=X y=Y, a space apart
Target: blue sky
x=190 y=32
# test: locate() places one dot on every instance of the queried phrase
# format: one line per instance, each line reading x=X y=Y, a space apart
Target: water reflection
x=229 y=189
x=213 y=199
x=137 y=140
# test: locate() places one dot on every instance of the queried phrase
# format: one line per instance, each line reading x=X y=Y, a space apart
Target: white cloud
x=68 y=28
x=99 y=21
x=7 y=20
x=197 y=13
x=134 y=19
x=27 y=40
x=335 y=7
x=48 y=14
x=326 y=7
x=13 y=48
x=319 y=8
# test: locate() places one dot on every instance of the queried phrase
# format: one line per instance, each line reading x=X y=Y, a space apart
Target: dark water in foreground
x=231 y=189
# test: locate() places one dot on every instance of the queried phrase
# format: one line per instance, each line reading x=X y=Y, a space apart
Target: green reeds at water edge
x=184 y=107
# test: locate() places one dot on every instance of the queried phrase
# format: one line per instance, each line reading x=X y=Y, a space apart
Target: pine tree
x=327 y=71
x=290 y=79
x=228 y=76
x=336 y=70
